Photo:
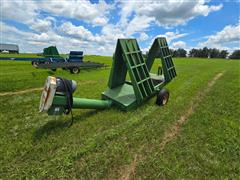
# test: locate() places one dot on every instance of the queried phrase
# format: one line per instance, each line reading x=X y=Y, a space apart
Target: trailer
x=51 y=59
x=73 y=67
x=74 y=63
x=57 y=96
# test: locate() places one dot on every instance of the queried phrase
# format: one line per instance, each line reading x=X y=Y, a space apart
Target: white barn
x=11 y=48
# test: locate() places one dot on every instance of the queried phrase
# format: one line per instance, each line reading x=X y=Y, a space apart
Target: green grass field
x=195 y=136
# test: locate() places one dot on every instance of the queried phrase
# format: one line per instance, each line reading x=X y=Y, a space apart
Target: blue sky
x=94 y=26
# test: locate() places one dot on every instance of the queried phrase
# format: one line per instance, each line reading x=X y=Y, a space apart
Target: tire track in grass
x=110 y=134
x=174 y=129
x=20 y=92
x=10 y=93
x=130 y=169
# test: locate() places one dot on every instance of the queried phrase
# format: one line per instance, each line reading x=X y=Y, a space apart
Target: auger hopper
x=57 y=96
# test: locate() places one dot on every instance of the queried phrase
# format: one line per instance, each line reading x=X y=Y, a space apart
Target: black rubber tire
x=162 y=97
x=35 y=64
x=75 y=70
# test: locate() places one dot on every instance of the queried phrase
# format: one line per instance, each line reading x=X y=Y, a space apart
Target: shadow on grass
x=55 y=126
x=51 y=72
x=33 y=74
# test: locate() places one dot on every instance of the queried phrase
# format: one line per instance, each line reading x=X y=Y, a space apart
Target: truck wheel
x=162 y=97
x=35 y=64
x=75 y=70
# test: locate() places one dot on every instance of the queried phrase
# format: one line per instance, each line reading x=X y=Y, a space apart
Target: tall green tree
x=235 y=54
x=223 y=54
x=214 y=53
x=179 y=52
x=205 y=52
x=193 y=53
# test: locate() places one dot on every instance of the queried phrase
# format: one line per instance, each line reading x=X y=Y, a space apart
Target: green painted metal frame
x=51 y=51
x=60 y=101
x=128 y=58
x=160 y=49
x=125 y=95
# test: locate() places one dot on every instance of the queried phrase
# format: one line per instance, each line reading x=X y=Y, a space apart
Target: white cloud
x=78 y=38
x=11 y=34
x=32 y=42
x=143 y=36
x=108 y=36
x=28 y=11
x=78 y=32
x=43 y=31
x=138 y=24
x=19 y=10
x=179 y=44
x=135 y=18
x=50 y=37
x=229 y=35
x=172 y=35
x=112 y=32
x=94 y=13
x=127 y=8
x=168 y=12
x=41 y=25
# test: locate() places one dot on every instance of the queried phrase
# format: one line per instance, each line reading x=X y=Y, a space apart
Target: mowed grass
x=112 y=144
x=19 y=75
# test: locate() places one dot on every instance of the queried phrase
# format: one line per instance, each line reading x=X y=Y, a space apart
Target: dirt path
x=174 y=130
x=20 y=92
x=38 y=89
x=129 y=170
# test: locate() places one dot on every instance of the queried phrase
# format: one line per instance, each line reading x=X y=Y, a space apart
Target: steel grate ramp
x=167 y=57
x=138 y=71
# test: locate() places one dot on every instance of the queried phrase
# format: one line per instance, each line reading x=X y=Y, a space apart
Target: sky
x=94 y=26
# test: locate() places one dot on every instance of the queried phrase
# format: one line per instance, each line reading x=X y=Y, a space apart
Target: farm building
x=11 y=48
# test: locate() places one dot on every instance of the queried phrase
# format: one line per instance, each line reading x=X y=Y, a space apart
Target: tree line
x=206 y=53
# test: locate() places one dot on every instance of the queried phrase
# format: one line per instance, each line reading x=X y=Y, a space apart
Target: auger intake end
x=57 y=98
x=54 y=87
